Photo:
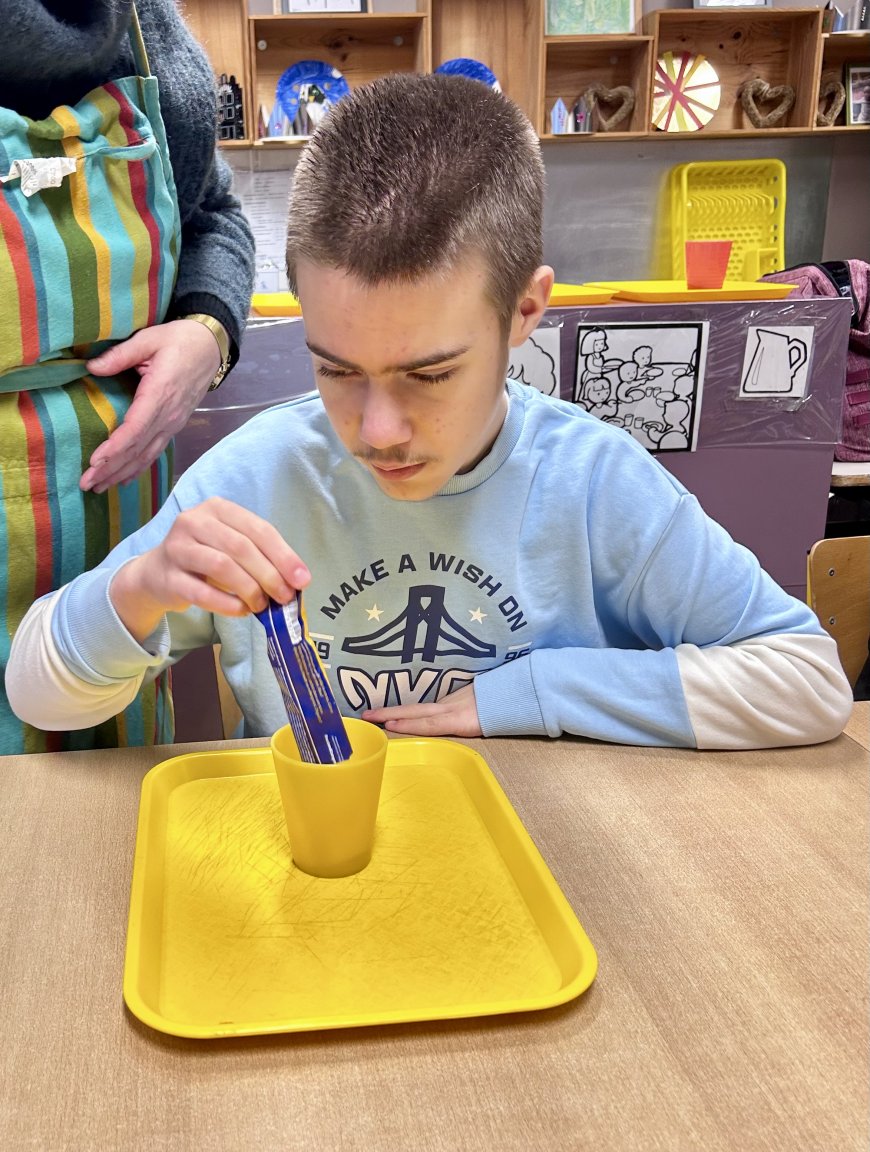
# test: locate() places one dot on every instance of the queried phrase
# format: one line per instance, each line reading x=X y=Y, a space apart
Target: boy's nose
x=384 y=421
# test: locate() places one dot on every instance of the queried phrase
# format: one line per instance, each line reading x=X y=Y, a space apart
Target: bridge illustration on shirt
x=425 y=630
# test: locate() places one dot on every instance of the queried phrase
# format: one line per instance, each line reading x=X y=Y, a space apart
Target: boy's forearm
x=137 y=609
x=44 y=691
x=763 y=692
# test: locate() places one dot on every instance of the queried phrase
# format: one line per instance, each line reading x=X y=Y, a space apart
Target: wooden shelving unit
x=221 y=26
x=362 y=46
x=507 y=36
x=781 y=46
x=839 y=50
x=573 y=63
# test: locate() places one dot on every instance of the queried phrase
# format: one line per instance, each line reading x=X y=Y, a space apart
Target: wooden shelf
x=839 y=50
x=506 y=36
x=222 y=30
x=779 y=45
x=573 y=63
x=840 y=129
x=705 y=134
x=578 y=136
x=362 y=46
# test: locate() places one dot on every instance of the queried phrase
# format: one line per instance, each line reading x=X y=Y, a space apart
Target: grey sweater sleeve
x=216 y=269
x=216 y=266
x=62 y=50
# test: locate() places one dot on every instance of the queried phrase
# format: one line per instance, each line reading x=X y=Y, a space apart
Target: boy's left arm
x=724 y=659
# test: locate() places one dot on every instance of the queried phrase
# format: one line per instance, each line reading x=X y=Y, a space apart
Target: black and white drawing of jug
x=777 y=360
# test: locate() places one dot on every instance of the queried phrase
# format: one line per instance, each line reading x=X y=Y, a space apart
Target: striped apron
x=89 y=244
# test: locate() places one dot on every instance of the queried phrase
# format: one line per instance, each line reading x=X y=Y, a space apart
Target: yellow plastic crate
x=738 y=200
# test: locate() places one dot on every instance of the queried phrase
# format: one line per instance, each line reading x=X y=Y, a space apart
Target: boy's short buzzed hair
x=409 y=174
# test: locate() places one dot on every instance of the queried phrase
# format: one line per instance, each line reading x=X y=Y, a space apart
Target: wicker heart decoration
x=825 y=118
x=755 y=90
x=598 y=95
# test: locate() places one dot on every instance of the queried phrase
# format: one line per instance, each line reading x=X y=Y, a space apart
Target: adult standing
x=126 y=267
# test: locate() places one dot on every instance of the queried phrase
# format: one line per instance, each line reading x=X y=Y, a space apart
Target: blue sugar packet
x=311 y=708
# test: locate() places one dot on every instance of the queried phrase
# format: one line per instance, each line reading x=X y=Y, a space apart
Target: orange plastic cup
x=331 y=809
x=707 y=263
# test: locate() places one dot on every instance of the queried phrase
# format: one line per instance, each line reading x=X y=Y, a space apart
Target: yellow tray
x=286 y=304
x=564 y=294
x=275 y=304
x=457 y=914
x=664 y=291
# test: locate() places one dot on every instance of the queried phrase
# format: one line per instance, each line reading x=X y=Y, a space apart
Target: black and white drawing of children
x=672 y=431
x=684 y=378
x=592 y=348
x=649 y=384
x=598 y=398
x=646 y=370
x=628 y=388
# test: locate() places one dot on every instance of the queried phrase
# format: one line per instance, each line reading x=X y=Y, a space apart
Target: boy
x=477 y=558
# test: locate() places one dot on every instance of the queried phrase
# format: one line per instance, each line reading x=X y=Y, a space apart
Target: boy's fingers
x=210 y=598
x=233 y=565
x=224 y=545
x=266 y=537
x=455 y=715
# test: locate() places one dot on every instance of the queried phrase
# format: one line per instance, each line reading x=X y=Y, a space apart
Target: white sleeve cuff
x=44 y=691
x=767 y=692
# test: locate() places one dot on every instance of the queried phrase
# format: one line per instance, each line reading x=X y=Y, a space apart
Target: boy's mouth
x=395 y=472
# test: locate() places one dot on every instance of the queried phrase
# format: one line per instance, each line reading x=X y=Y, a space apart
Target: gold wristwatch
x=222 y=336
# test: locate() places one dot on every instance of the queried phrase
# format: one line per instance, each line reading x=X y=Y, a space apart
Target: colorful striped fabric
x=82 y=265
x=94 y=259
x=50 y=531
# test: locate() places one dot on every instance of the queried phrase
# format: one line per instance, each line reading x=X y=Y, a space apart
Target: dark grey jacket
x=54 y=51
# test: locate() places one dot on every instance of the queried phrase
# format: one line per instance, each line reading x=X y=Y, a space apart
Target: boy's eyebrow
x=412 y=366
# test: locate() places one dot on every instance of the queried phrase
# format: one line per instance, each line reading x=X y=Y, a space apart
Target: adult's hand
x=454 y=715
x=176 y=363
x=216 y=556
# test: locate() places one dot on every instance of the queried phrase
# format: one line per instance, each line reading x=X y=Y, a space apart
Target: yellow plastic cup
x=331 y=809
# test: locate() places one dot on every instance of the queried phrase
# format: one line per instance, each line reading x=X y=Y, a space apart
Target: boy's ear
x=531 y=305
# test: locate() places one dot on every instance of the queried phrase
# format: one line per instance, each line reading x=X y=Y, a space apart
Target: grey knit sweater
x=57 y=50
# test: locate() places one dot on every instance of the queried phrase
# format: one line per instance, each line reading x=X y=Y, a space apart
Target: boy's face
x=412 y=376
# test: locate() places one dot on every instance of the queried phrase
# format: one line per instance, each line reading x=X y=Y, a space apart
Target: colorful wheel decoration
x=686 y=93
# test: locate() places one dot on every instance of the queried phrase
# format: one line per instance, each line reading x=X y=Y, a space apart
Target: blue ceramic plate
x=328 y=79
x=473 y=69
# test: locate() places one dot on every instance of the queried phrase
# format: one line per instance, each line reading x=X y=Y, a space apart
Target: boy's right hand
x=217 y=556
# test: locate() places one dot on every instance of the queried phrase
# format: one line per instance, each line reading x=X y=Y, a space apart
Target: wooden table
x=726 y=895
x=845 y=474
x=859 y=724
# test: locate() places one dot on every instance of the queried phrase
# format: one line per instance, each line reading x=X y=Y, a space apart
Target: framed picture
x=591 y=17
x=858 y=94
x=731 y=4
x=325 y=5
x=647 y=378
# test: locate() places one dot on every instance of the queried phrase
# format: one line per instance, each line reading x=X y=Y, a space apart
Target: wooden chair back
x=838 y=591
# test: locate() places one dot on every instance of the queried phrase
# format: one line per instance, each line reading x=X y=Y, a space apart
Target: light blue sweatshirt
x=569 y=575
